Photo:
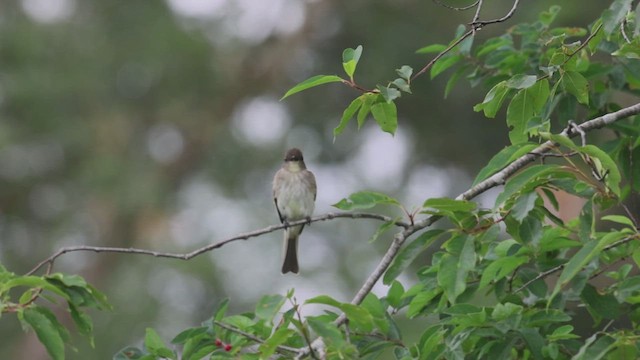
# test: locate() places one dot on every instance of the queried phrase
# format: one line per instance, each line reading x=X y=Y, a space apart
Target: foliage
x=510 y=281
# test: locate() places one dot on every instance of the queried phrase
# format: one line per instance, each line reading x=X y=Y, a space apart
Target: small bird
x=294 y=193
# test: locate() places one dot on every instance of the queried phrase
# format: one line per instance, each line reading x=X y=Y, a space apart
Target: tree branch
x=478 y=24
x=186 y=256
x=496 y=179
x=251 y=336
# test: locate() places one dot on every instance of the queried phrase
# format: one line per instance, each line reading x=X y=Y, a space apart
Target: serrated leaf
x=48 y=330
x=348 y=113
x=350 y=58
x=365 y=200
x=312 y=82
x=409 y=253
x=386 y=116
x=83 y=322
x=575 y=84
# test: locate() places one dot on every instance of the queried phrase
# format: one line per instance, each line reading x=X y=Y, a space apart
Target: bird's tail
x=290 y=263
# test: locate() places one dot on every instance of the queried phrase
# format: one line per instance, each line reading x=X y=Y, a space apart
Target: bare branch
x=478 y=24
x=186 y=256
x=458 y=8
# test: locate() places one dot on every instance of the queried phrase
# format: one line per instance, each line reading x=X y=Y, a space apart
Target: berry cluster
x=221 y=344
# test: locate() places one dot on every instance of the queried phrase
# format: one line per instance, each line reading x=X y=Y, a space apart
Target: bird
x=294 y=194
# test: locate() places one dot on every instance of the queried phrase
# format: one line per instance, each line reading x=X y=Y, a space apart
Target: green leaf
x=388 y=93
x=434 y=48
x=365 y=200
x=502 y=159
x=603 y=305
x=444 y=63
x=521 y=179
x=523 y=205
x=185 y=335
x=312 y=82
x=83 y=322
x=453 y=80
x=405 y=72
x=357 y=315
x=155 y=345
x=327 y=330
x=268 y=306
x=620 y=219
x=449 y=205
x=394 y=295
x=384 y=227
x=48 y=330
x=453 y=270
x=493 y=100
x=409 y=253
x=386 y=116
x=350 y=58
x=607 y=165
x=367 y=100
x=613 y=16
x=547 y=17
x=347 y=115
x=575 y=84
x=500 y=268
x=521 y=81
x=589 y=251
x=402 y=84
x=279 y=337
x=526 y=104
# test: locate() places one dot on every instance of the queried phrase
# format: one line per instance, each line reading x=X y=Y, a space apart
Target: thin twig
x=622 y=31
x=479 y=24
x=457 y=8
x=186 y=256
x=442 y=53
x=476 y=16
x=251 y=336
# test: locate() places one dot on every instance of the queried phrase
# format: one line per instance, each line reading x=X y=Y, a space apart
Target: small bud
x=219 y=343
x=227 y=347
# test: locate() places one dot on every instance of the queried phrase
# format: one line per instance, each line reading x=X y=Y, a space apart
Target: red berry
x=218 y=343
x=227 y=347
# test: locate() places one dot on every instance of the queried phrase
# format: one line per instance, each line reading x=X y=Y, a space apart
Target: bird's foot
x=308 y=220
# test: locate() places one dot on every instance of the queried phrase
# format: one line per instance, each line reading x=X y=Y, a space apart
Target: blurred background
x=158 y=125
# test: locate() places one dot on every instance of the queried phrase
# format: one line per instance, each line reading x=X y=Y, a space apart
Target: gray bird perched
x=294 y=193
